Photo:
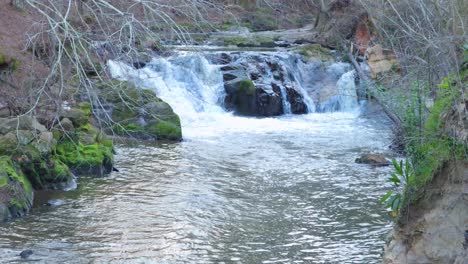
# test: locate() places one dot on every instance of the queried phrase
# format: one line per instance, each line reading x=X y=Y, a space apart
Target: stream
x=236 y=190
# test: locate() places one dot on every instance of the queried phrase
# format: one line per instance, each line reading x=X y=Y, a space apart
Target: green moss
x=246 y=87
x=15 y=64
x=3 y=180
x=82 y=158
x=314 y=51
x=60 y=171
x=236 y=41
x=85 y=107
x=19 y=204
x=9 y=169
x=2 y=59
x=165 y=130
x=127 y=128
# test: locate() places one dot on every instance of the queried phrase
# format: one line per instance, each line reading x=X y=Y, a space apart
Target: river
x=236 y=190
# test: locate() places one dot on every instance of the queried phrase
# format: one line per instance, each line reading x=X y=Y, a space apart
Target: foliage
x=402 y=178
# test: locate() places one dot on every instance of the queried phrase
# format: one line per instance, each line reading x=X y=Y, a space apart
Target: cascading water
x=193 y=84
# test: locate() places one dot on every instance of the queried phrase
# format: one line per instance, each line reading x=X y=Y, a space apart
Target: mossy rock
x=140 y=113
x=315 y=52
x=16 y=192
x=79 y=117
x=119 y=92
x=91 y=159
x=165 y=130
x=8 y=143
x=59 y=171
x=241 y=97
x=20 y=123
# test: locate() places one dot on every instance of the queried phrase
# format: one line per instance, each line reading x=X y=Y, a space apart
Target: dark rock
x=139 y=64
x=228 y=68
x=269 y=103
x=25 y=254
x=298 y=106
x=229 y=77
x=373 y=159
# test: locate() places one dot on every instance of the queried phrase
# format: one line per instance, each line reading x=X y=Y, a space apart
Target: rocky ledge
x=49 y=154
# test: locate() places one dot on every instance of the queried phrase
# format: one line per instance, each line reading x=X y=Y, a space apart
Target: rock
x=298 y=106
x=344 y=20
x=20 y=123
x=78 y=117
x=55 y=202
x=65 y=125
x=432 y=229
x=380 y=60
x=4 y=112
x=241 y=97
x=373 y=159
x=25 y=254
x=256 y=85
x=16 y=193
x=25 y=137
x=150 y=118
x=8 y=143
x=139 y=64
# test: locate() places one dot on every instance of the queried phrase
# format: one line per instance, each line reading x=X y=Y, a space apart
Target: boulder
x=65 y=125
x=296 y=100
x=8 y=143
x=16 y=193
x=260 y=85
x=380 y=60
x=139 y=113
x=20 y=123
x=373 y=159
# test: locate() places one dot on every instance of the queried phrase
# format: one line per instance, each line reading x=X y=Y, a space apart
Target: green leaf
x=386 y=196
x=396 y=203
x=391 y=200
x=398 y=168
x=407 y=170
x=395 y=179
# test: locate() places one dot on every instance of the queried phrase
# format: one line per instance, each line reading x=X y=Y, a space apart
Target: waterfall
x=347 y=91
x=193 y=84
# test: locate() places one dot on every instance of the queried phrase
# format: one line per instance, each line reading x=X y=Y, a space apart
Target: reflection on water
x=282 y=190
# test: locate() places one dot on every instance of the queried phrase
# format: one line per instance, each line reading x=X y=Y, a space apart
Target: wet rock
x=298 y=106
x=373 y=159
x=55 y=202
x=259 y=85
x=25 y=254
x=16 y=193
x=138 y=64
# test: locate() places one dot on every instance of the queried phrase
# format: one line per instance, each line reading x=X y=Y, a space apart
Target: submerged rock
x=373 y=159
x=25 y=254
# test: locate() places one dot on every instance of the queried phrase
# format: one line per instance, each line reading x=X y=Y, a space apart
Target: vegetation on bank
x=429 y=140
